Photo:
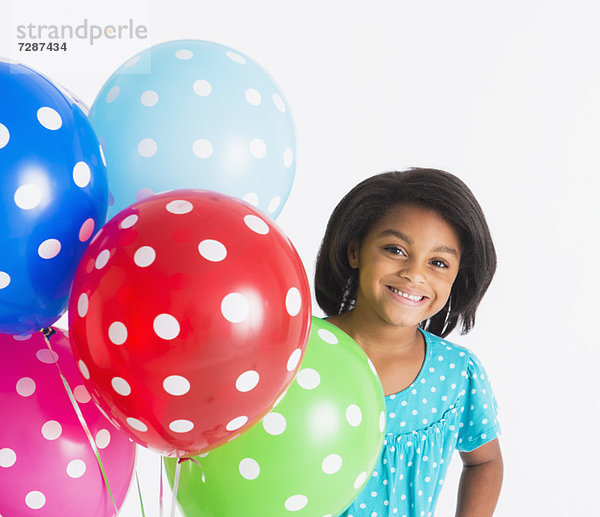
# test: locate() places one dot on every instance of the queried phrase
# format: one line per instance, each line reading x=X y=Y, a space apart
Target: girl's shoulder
x=441 y=349
x=446 y=355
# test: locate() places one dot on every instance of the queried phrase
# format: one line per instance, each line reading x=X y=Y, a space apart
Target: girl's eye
x=394 y=250
x=439 y=263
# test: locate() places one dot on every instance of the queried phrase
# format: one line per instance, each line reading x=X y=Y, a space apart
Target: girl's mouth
x=412 y=297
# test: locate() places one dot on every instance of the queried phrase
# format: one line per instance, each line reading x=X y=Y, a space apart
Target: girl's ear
x=353 y=253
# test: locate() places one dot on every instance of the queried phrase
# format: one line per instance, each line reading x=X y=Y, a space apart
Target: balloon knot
x=48 y=332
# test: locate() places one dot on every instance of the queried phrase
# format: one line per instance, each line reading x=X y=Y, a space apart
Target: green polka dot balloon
x=310 y=456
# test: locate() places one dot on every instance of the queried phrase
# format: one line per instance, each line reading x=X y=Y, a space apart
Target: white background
x=506 y=96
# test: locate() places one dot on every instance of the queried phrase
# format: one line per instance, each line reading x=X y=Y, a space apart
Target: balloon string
x=160 y=491
x=137 y=480
x=48 y=332
x=176 y=486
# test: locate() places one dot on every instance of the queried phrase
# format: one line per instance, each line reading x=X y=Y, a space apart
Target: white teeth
x=409 y=296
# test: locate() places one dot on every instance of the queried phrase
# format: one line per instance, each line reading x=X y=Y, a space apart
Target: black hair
x=336 y=282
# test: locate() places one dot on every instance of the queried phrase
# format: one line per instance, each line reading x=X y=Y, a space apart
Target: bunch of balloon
x=53 y=197
x=189 y=316
x=310 y=455
x=195 y=114
x=48 y=467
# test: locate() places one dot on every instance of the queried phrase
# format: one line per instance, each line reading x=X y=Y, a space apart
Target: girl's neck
x=376 y=339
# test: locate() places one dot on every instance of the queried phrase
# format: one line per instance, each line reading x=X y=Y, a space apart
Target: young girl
x=406 y=257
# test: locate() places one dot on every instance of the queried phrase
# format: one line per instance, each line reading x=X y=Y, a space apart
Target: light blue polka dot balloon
x=195 y=114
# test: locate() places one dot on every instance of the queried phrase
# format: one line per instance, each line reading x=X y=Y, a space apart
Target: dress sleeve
x=479 y=414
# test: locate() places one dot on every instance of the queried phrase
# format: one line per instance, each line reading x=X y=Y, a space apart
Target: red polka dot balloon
x=189 y=316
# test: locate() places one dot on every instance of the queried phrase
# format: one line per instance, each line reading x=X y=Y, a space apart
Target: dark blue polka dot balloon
x=53 y=196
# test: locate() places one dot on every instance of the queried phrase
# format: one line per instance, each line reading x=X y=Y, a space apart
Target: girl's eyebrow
x=445 y=249
x=408 y=240
x=398 y=234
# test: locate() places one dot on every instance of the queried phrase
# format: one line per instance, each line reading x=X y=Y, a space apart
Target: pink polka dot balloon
x=47 y=465
x=189 y=313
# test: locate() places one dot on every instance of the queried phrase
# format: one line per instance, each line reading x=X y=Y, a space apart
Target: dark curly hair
x=336 y=283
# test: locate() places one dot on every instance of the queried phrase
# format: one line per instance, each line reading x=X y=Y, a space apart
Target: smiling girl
x=407 y=256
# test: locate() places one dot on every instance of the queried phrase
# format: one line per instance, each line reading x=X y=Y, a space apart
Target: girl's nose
x=413 y=271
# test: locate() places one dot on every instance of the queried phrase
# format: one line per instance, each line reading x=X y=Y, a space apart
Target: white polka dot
x=202 y=87
x=147 y=147
x=166 y=326
x=51 y=430
x=35 y=500
x=28 y=196
x=83 y=305
x=49 y=118
x=25 y=386
x=76 y=468
x=179 y=207
x=121 y=386
x=46 y=356
x=288 y=157
x=144 y=256
x=278 y=101
x=184 y=54
x=86 y=230
x=293 y=301
x=81 y=394
x=112 y=94
x=327 y=336
x=381 y=421
x=49 y=248
x=247 y=381
x=102 y=438
x=353 y=415
x=358 y=482
x=296 y=502
x=212 y=250
x=136 y=424
x=176 y=385
x=129 y=221
x=82 y=174
x=294 y=360
x=202 y=148
x=253 y=96
x=308 y=378
x=236 y=423
x=331 y=464
x=274 y=423
x=8 y=457
x=235 y=307
x=149 y=98
x=117 y=333
x=249 y=468
x=102 y=259
x=251 y=198
x=274 y=204
x=256 y=224
x=181 y=426
x=83 y=369
x=234 y=56
x=4 y=136
x=4 y=279
x=258 y=148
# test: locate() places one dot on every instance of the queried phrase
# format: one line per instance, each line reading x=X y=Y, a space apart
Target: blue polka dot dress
x=449 y=406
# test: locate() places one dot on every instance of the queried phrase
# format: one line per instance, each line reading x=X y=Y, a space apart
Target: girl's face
x=407 y=264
